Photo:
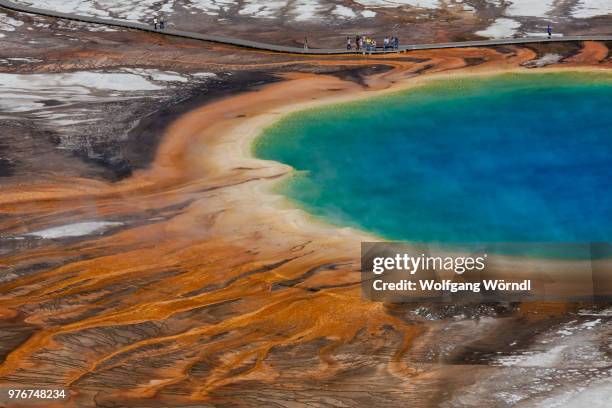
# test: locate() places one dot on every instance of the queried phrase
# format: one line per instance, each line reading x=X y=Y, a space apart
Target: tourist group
x=367 y=44
x=159 y=22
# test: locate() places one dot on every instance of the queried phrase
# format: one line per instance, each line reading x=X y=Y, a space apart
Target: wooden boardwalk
x=282 y=48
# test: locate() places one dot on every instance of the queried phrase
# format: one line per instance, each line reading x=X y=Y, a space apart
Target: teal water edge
x=506 y=158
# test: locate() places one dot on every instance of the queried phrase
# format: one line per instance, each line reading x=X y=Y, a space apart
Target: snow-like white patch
x=262 y=8
x=26 y=92
x=8 y=23
x=344 y=12
x=298 y=10
x=586 y=312
x=81 y=82
x=368 y=13
x=26 y=60
x=74 y=230
x=131 y=10
x=21 y=93
x=307 y=10
x=157 y=75
x=530 y=8
x=204 y=75
x=591 y=324
x=69 y=6
x=16 y=60
x=17 y=103
x=210 y=7
x=567 y=366
x=78 y=26
x=430 y=4
x=546 y=59
x=592 y=8
x=510 y=397
x=597 y=395
x=544 y=359
x=501 y=28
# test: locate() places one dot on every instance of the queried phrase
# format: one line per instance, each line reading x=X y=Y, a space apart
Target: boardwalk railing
x=283 y=48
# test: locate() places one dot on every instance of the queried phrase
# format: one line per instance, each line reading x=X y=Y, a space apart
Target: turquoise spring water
x=508 y=158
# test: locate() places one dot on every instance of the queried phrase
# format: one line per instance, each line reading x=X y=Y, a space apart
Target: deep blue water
x=510 y=158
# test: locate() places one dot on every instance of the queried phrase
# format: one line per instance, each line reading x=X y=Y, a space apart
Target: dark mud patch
x=508 y=51
x=7 y=166
x=29 y=151
x=509 y=336
x=359 y=74
x=565 y=49
x=142 y=142
x=470 y=62
x=51 y=102
x=13 y=333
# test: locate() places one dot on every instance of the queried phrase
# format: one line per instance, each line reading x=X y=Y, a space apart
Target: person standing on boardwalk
x=162 y=23
x=305 y=43
x=155 y=22
x=357 y=42
x=549 y=31
x=348 y=43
